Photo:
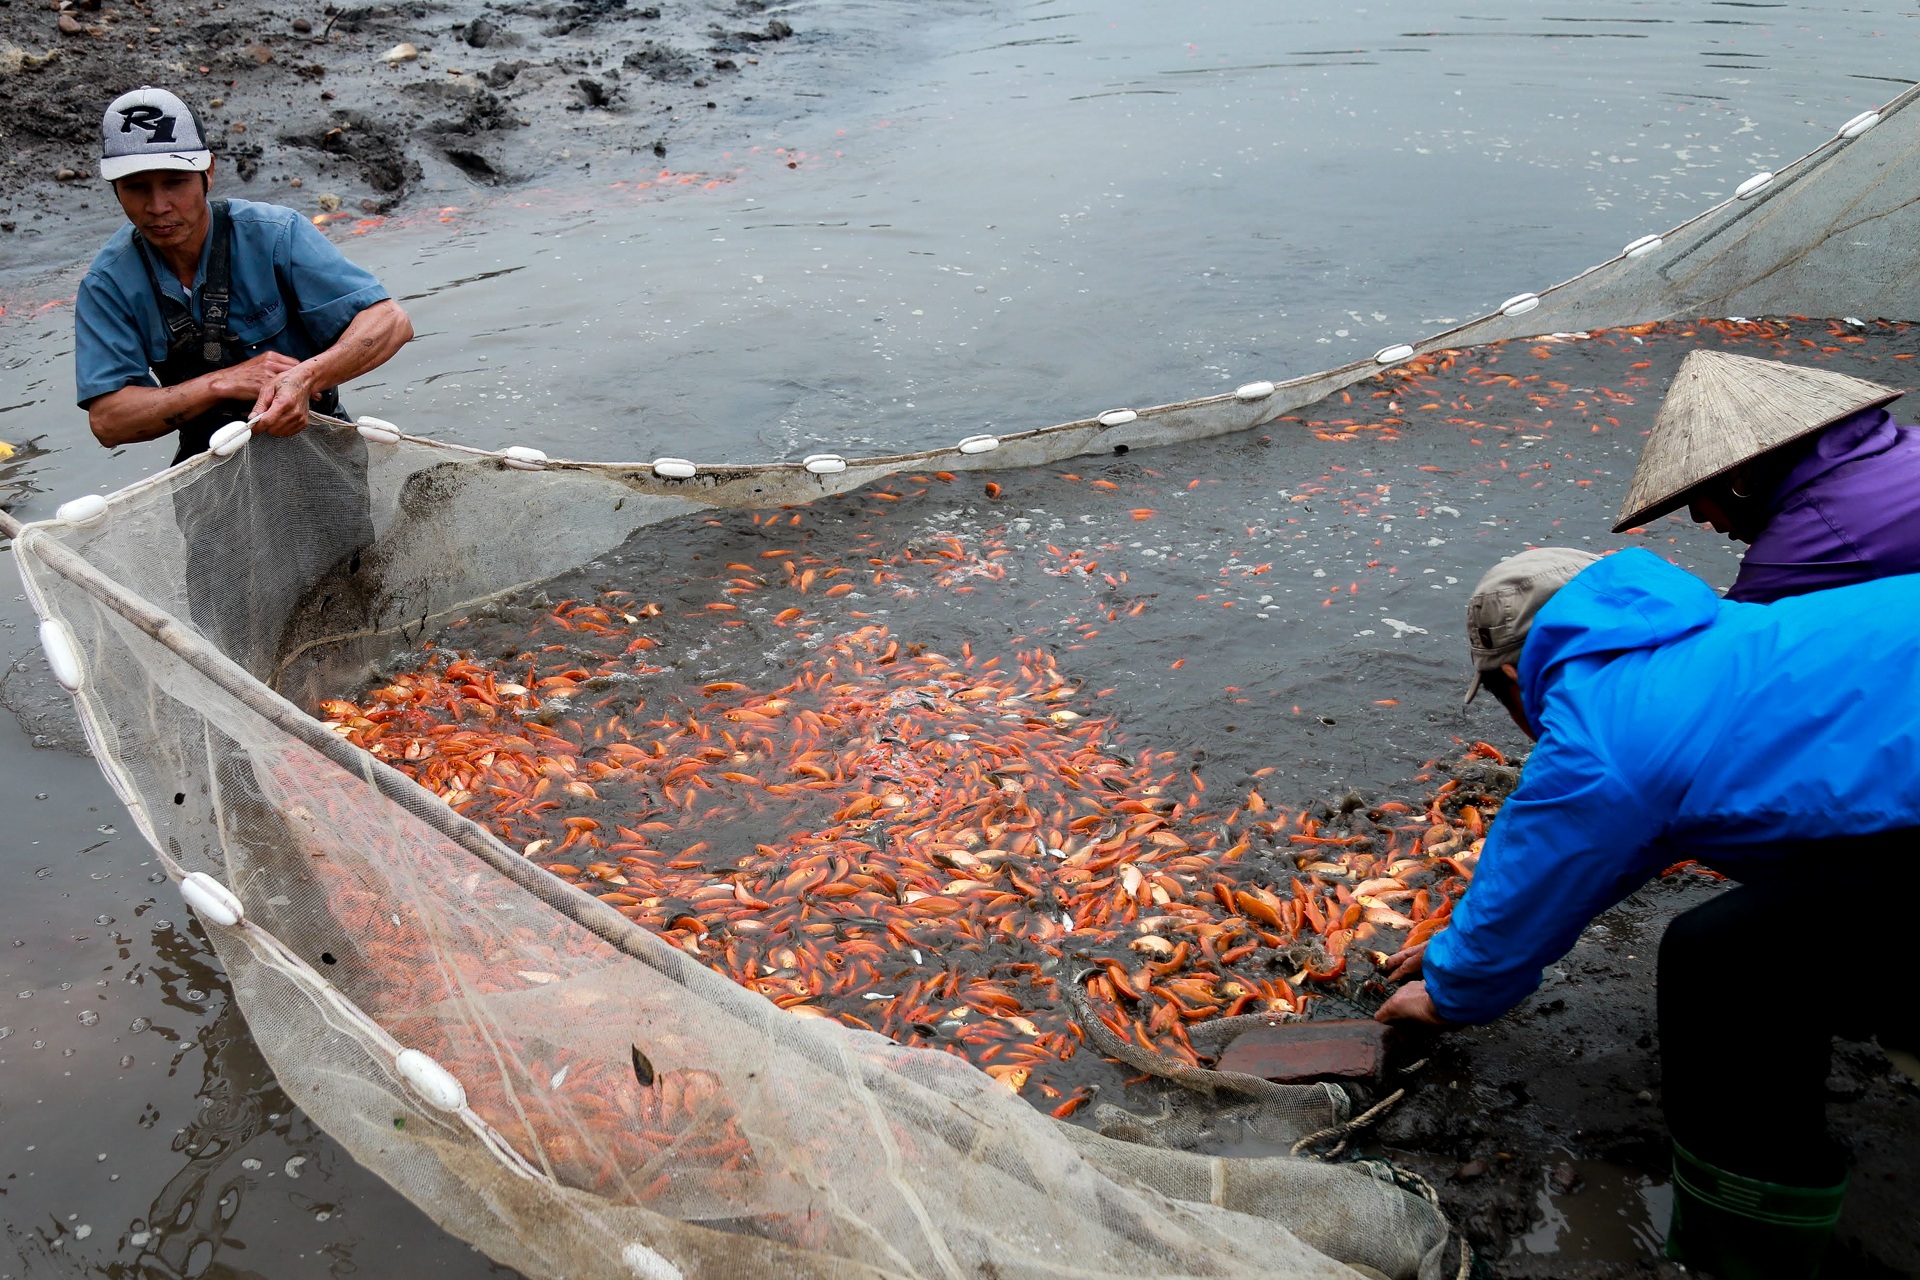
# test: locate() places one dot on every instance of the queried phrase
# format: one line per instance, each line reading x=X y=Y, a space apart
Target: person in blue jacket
x=1770 y=742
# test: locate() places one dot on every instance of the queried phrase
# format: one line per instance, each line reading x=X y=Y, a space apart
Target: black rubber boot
x=1740 y=1228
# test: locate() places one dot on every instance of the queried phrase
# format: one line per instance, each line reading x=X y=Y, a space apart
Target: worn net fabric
x=627 y=1111
x=766 y=1143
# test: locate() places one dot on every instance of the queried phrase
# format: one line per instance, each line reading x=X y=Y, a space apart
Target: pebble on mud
x=329 y=202
x=1566 y=1179
x=302 y=26
x=70 y=25
x=1470 y=1170
x=260 y=54
x=399 y=53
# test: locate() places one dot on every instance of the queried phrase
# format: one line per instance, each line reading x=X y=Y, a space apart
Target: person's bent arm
x=1570 y=843
x=368 y=342
x=137 y=413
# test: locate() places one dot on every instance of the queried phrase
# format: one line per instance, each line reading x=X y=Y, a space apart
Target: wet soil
x=350 y=110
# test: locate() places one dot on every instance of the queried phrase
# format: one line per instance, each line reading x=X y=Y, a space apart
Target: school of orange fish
x=903 y=839
x=898 y=839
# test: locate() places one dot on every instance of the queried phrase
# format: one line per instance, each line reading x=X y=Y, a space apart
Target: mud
x=317 y=105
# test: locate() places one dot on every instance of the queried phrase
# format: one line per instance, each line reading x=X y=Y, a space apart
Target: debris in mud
x=659 y=62
x=266 y=87
x=373 y=149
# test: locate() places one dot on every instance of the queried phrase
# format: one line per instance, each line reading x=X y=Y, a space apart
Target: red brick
x=1298 y=1052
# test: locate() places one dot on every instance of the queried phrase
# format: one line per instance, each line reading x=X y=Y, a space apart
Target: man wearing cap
x=205 y=311
x=1805 y=465
x=1770 y=742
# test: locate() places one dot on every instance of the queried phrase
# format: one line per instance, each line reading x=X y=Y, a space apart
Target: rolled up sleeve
x=329 y=290
x=109 y=351
x=1570 y=843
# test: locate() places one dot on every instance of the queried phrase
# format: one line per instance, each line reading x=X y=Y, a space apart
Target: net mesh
x=626 y=1109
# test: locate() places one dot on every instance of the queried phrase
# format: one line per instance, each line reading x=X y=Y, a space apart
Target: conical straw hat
x=1723 y=410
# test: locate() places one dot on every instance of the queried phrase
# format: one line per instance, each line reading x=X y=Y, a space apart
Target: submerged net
x=731 y=857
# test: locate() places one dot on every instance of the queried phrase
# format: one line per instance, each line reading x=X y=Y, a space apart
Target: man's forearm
x=368 y=342
x=135 y=414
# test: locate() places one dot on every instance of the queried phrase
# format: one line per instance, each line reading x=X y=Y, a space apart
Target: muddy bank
x=353 y=110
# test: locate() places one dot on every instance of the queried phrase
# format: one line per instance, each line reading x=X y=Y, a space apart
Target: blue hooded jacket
x=1674 y=724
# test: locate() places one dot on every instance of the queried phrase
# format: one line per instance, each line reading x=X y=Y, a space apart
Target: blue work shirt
x=292 y=290
x=1674 y=724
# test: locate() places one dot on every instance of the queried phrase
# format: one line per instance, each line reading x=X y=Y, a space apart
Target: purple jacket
x=1848 y=512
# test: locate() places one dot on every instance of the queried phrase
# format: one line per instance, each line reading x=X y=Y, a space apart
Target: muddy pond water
x=996 y=219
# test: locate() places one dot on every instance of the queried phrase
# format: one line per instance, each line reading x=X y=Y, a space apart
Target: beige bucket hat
x=1723 y=410
x=1500 y=614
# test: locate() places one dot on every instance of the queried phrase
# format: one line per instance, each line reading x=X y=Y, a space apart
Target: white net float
x=1392 y=355
x=674 y=469
x=85 y=510
x=378 y=430
x=1642 y=247
x=1753 y=186
x=824 y=464
x=212 y=901
x=980 y=444
x=1860 y=124
x=1117 y=417
x=436 y=1085
x=230 y=439
x=63 y=654
x=1253 y=391
x=1519 y=304
x=522 y=458
x=648 y=1264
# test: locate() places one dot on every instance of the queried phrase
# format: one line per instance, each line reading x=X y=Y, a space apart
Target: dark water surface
x=1013 y=218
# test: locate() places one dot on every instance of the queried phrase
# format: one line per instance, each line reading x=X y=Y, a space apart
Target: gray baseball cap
x=151 y=129
x=1501 y=612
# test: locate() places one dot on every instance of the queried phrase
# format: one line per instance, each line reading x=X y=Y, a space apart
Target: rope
x=1405 y=1179
x=1345 y=1128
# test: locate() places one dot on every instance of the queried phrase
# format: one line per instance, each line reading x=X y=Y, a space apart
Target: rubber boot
x=1739 y=1228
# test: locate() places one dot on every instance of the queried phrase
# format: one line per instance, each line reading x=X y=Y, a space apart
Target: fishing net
x=719 y=870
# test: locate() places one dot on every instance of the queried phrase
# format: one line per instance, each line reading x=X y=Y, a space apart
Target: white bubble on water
x=88 y=1017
